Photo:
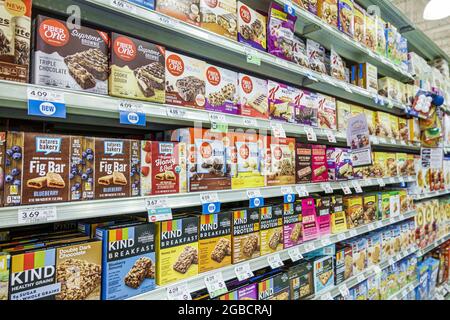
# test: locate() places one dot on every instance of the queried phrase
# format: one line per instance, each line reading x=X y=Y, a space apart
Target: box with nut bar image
x=343 y=263
x=163 y=168
x=292 y=224
x=245 y=241
x=303 y=169
x=354 y=211
x=214 y=243
x=219 y=17
x=177 y=249
x=15 y=39
x=345 y=17
x=137 y=69
x=301 y=280
x=253 y=101
x=185 y=81
x=338 y=218
x=370 y=205
x=374 y=253
x=70 y=59
x=4 y=275
x=328 y=11
x=310 y=226
x=323 y=273
x=323 y=208
x=221 y=90
x=79 y=271
x=251 y=27
x=184 y=10
x=279 y=164
x=128 y=263
x=326 y=112
x=247 y=292
x=306 y=107
x=271 y=228
x=359 y=251
x=274 y=288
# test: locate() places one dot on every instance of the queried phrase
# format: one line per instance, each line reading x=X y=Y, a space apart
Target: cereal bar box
x=271 y=228
x=221 y=90
x=219 y=16
x=246 y=238
x=292 y=224
x=252 y=27
x=310 y=226
x=184 y=10
x=253 y=101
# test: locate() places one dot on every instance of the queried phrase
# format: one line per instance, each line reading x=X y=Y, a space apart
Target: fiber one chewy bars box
x=71 y=59
x=128 y=260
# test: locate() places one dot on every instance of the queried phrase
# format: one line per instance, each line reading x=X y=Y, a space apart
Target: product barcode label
x=295 y=254
x=278 y=130
x=46 y=103
x=326 y=296
x=275 y=261
x=330 y=136
x=243 y=271
x=216 y=117
x=357 y=186
x=179 y=292
x=344 y=291
x=345 y=188
x=253 y=193
x=381 y=182
x=326 y=187
x=215 y=285
x=209 y=197
x=302 y=191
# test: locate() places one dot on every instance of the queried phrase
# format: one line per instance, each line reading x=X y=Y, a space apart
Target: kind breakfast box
x=163 y=168
x=282 y=99
x=292 y=224
x=253 y=101
x=128 y=260
x=214 y=243
x=271 y=228
x=176 y=249
x=137 y=69
x=184 y=10
x=310 y=226
x=70 y=59
x=279 y=164
x=251 y=27
x=301 y=280
x=185 y=81
x=15 y=38
x=245 y=241
x=303 y=169
x=221 y=90
x=338 y=217
x=219 y=16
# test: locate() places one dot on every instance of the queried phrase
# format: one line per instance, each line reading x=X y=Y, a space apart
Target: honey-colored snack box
x=271 y=228
x=246 y=240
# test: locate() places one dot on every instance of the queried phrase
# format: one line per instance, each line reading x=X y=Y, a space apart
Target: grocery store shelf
x=402 y=293
x=434 y=245
x=356 y=279
x=428 y=195
x=98 y=208
x=393 y=143
x=197 y=283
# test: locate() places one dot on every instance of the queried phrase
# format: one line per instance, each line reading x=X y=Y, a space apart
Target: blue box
x=147 y=4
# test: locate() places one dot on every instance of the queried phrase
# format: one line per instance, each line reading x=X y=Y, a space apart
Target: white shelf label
x=243 y=271
x=302 y=191
x=326 y=296
x=176 y=113
x=295 y=254
x=360 y=278
x=377 y=269
x=357 y=186
x=217 y=117
x=209 y=197
x=250 y=122
x=379 y=224
x=36 y=215
x=310 y=134
x=375 y=140
x=391 y=261
x=158 y=209
x=326 y=187
x=278 y=130
x=381 y=182
x=254 y=193
x=215 y=285
x=341 y=236
x=330 y=136
x=253 y=56
x=371 y=227
x=392 y=180
x=309 y=246
x=310 y=76
x=344 y=291
x=353 y=233
x=275 y=261
x=345 y=188
x=325 y=242
x=401 y=180
x=179 y=292
x=123 y=5
x=286 y=190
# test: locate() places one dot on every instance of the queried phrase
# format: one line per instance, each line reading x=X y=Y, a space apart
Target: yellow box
x=371 y=32
x=383 y=125
x=403 y=129
x=410 y=167
x=370 y=204
x=403 y=201
x=354 y=211
x=379 y=164
x=402 y=164
x=356 y=110
x=394 y=126
x=371 y=121
x=271 y=228
x=385 y=205
x=343 y=114
x=391 y=164
x=414 y=130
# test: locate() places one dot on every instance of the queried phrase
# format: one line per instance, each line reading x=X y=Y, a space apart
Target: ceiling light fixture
x=436 y=10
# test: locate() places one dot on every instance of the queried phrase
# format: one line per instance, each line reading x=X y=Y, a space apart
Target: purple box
x=282 y=101
x=339 y=164
x=221 y=90
x=252 y=27
x=248 y=292
x=306 y=110
x=280 y=33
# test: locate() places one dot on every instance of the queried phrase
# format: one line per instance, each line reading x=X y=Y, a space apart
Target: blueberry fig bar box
x=70 y=58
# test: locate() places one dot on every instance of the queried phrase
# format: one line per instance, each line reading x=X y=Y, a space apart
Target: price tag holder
x=217 y=117
x=310 y=134
x=392 y=180
x=255 y=198
x=381 y=182
x=295 y=254
x=377 y=269
x=288 y=194
x=344 y=291
x=132 y=113
x=341 y=236
x=353 y=233
x=215 y=285
x=243 y=272
x=330 y=136
x=326 y=296
x=401 y=180
x=371 y=227
x=158 y=209
x=176 y=113
x=123 y=5
x=309 y=246
x=326 y=187
x=375 y=140
x=325 y=242
x=275 y=261
x=278 y=130
x=32 y=215
x=302 y=191
x=345 y=188
x=253 y=57
x=357 y=186
x=46 y=103
x=179 y=292
x=210 y=203
x=360 y=278
x=379 y=224
x=310 y=76
x=250 y=122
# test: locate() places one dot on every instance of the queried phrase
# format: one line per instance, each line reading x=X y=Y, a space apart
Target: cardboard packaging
x=381 y=37
x=306 y=108
x=359 y=18
x=354 y=211
x=343 y=114
x=339 y=164
x=303 y=169
x=323 y=273
x=137 y=69
x=274 y=288
x=252 y=27
x=221 y=90
x=184 y=10
x=374 y=253
x=359 y=249
x=248 y=292
x=316 y=54
x=70 y=59
x=310 y=225
x=391 y=164
x=371 y=32
x=370 y=205
x=292 y=225
x=371 y=121
x=219 y=17
x=301 y=280
x=2 y=166
x=271 y=228
x=343 y=263
x=328 y=11
x=327 y=112
x=245 y=241
x=4 y=275
x=383 y=125
x=394 y=126
x=368 y=77
x=338 y=218
x=280 y=32
x=346 y=17
x=323 y=206
x=281 y=101
x=319 y=163
x=310 y=6
x=279 y=162
x=176 y=249
x=253 y=101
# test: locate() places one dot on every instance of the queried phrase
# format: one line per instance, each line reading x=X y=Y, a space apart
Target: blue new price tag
x=256 y=202
x=46 y=103
x=132 y=113
x=210 y=203
x=289 y=198
x=289 y=8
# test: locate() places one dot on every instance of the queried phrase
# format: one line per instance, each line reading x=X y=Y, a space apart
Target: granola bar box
x=346 y=17
x=137 y=69
x=274 y=288
x=163 y=168
x=279 y=161
x=301 y=280
x=292 y=224
x=79 y=271
x=343 y=263
x=15 y=39
x=4 y=275
x=185 y=81
x=308 y=5
x=323 y=206
x=303 y=169
x=251 y=27
x=271 y=228
x=280 y=32
x=128 y=263
x=221 y=90
x=306 y=107
x=319 y=163
x=354 y=211
x=253 y=100
x=2 y=170
x=359 y=18
x=70 y=59
x=326 y=112
x=245 y=241
x=282 y=99
x=219 y=16
x=323 y=273
x=247 y=292
x=310 y=226
x=214 y=243
x=328 y=11
x=184 y=10
x=338 y=218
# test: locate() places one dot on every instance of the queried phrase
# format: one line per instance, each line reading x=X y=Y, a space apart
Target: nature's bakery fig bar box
x=71 y=59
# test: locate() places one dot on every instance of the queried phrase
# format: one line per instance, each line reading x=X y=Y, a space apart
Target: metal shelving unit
x=434 y=245
x=434 y=194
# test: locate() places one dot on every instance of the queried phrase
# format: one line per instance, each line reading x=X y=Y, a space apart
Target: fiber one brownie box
x=70 y=59
x=303 y=154
x=221 y=90
x=4 y=275
x=279 y=167
x=184 y=10
x=251 y=27
x=128 y=261
x=214 y=243
x=292 y=225
x=274 y=288
x=137 y=69
x=177 y=249
x=185 y=81
x=245 y=239
x=15 y=39
x=253 y=101
x=163 y=168
x=248 y=292
x=219 y=16
x=271 y=228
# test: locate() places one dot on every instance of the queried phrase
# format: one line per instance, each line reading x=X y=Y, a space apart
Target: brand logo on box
x=54 y=33
x=247 y=84
x=125 y=48
x=16 y=7
x=166 y=148
x=206 y=150
x=245 y=14
x=211 y=3
x=244 y=152
x=113 y=147
x=48 y=145
x=175 y=65
x=172 y=229
x=213 y=76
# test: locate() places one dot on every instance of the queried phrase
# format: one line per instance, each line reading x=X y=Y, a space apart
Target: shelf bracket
x=310 y=28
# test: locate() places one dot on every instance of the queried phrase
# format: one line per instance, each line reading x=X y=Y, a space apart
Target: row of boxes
x=431 y=219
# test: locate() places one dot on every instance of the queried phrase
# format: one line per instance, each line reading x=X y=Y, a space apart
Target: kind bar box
x=79 y=271
x=184 y=10
x=271 y=229
x=303 y=169
x=253 y=100
x=163 y=168
x=177 y=249
x=4 y=275
x=338 y=217
x=185 y=81
x=115 y=167
x=248 y=292
x=280 y=161
x=251 y=27
x=323 y=273
x=245 y=241
x=221 y=90
x=15 y=35
x=219 y=16
x=214 y=243
x=128 y=261
x=137 y=69
x=323 y=206
x=274 y=288
x=71 y=59
x=292 y=225
x=301 y=280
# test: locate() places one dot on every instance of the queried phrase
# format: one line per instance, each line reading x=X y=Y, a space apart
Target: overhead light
x=436 y=10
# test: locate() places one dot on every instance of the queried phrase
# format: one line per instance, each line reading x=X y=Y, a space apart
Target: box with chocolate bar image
x=292 y=224
x=303 y=168
x=271 y=228
x=221 y=90
x=137 y=69
x=177 y=249
x=70 y=59
x=214 y=243
x=184 y=10
x=128 y=261
x=219 y=16
x=252 y=27
x=306 y=108
x=245 y=241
